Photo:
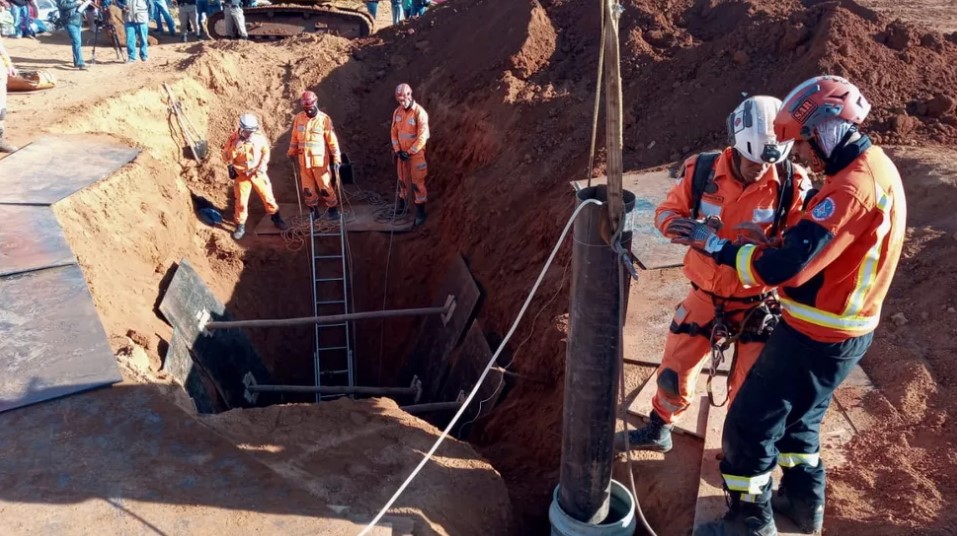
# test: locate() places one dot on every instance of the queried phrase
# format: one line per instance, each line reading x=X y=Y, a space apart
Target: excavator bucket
x=345 y=18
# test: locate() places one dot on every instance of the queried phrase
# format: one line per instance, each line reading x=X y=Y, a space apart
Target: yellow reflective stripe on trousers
x=793 y=459
x=867 y=274
x=753 y=485
x=820 y=317
x=743 y=265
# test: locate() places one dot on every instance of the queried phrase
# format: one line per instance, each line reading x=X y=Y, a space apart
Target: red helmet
x=815 y=100
x=308 y=99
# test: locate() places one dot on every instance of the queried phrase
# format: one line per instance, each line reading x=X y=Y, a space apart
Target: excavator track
x=266 y=23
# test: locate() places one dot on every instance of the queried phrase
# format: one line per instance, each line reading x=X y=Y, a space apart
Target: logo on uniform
x=823 y=210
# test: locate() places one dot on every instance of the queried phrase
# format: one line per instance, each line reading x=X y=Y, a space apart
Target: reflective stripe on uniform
x=753 y=485
x=793 y=459
x=867 y=274
x=709 y=209
x=820 y=317
x=660 y=220
x=743 y=263
x=405 y=136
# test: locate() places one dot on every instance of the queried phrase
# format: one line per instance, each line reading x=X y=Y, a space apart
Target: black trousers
x=776 y=417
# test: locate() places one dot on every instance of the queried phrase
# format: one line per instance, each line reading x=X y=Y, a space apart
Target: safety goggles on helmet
x=751 y=131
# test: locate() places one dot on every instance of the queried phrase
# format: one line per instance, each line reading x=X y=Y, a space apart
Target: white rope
x=488 y=367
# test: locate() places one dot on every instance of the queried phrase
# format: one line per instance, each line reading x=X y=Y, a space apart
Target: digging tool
x=198 y=146
x=298 y=185
x=96 y=35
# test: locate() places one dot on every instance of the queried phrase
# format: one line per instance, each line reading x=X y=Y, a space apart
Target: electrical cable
x=488 y=367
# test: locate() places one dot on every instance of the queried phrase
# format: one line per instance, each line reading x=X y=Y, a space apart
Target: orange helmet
x=815 y=100
x=403 y=89
x=308 y=99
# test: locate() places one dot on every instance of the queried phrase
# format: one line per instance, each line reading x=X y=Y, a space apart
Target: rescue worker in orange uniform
x=833 y=270
x=246 y=154
x=410 y=132
x=748 y=185
x=314 y=146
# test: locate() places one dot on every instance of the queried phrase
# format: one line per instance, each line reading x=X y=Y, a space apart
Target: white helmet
x=248 y=121
x=751 y=130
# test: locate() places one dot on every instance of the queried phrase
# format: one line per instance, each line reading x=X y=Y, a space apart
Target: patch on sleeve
x=824 y=210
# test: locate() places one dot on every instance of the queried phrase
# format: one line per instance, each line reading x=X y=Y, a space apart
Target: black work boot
x=400 y=206
x=420 y=214
x=808 y=515
x=313 y=213
x=654 y=436
x=332 y=213
x=279 y=222
x=743 y=519
x=240 y=232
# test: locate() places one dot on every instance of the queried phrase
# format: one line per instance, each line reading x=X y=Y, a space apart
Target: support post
x=591 y=366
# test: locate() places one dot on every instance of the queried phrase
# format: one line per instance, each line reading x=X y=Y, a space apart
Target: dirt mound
x=360 y=453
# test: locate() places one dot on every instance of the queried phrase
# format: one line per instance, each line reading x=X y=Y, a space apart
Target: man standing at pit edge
x=247 y=156
x=752 y=183
x=7 y=69
x=833 y=271
x=410 y=132
x=312 y=145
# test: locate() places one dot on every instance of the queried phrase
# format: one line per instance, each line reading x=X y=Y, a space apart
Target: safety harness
x=761 y=319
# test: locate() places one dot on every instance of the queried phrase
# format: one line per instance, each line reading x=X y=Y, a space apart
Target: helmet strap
x=312 y=111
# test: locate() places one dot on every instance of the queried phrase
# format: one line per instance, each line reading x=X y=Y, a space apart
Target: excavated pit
x=510 y=128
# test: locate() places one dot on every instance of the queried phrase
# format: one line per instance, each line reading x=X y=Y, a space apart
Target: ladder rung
x=328 y=279
x=333 y=302
x=343 y=371
x=327 y=257
x=331 y=348
x=322 y=326
x=326 y=234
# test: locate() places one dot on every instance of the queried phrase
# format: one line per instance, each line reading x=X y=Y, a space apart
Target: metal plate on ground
x=225 y=355
x=694 y=420
x=180 y=364
x=430 y=357
x=652 y=250
x=52 y=343
x=52 y=168
x=359 y=218
x=467 y=362
x=31 y=239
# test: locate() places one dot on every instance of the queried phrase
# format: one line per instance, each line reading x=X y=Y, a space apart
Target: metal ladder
x=333 y=353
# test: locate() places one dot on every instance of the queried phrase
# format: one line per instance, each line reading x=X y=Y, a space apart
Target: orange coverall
x=410 y=132
x=250 y=157
x=735 y=203
x=314 y=141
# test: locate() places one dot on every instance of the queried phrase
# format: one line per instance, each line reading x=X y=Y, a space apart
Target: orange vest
x=838 y=294
x=250 y=156
x=410 y=129
x=735 y=203
x=310 y=138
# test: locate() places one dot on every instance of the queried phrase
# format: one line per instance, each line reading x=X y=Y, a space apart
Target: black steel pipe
x=591 y=365
x=327 y=319
x=333 y=390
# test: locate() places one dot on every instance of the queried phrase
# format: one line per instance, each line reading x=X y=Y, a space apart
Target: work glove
x=672 y=230
x=231 y=170
x=750 y=233
x=404 y=156
x=698 y=235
